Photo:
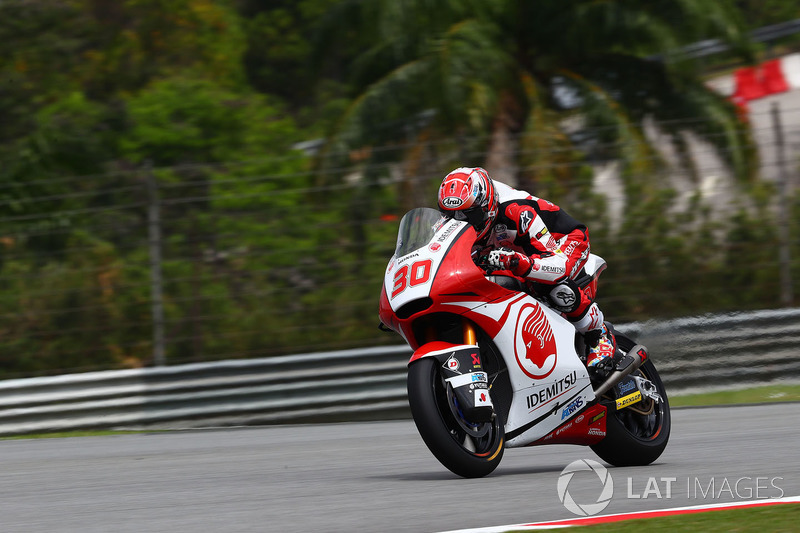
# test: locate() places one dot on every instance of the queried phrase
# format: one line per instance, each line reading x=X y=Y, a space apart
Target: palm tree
x=519 y=69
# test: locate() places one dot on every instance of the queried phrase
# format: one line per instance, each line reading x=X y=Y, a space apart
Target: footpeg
x=647 y=388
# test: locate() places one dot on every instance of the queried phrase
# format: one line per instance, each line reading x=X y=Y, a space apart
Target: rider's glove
x=504 y=259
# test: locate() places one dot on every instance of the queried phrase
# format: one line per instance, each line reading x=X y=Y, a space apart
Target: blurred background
x=200 y=180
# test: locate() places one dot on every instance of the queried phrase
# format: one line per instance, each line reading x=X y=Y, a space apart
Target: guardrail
x=723 y=351
x=329 y=386
x=692 y=353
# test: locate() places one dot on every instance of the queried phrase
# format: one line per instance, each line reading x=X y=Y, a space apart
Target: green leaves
x=479 y=66
x=267 y=252
x=184 y=120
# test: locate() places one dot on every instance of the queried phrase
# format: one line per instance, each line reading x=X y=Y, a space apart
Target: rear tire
x=466 y=449
x=636 y=435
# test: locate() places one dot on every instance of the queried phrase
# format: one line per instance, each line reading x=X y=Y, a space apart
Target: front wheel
x=466 y=449
x=636 y=435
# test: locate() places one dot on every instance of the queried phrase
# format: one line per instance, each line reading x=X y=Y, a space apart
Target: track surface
x=368 y=477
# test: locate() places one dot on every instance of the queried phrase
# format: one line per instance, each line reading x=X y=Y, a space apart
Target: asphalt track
x=374 y=476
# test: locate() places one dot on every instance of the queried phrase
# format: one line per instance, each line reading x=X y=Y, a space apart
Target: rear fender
x=462 y=370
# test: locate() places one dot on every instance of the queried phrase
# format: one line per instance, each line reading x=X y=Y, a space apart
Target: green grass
x=777 y=518
x=766 y=394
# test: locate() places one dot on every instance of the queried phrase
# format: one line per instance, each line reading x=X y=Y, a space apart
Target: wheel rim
x=645 y=419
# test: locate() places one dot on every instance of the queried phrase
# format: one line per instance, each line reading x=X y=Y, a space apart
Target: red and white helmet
x=469 y=194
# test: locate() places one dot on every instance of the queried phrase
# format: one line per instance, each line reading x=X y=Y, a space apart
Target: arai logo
x=451 y=202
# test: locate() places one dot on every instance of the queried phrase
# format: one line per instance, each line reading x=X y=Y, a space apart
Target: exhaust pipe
x=632 y=360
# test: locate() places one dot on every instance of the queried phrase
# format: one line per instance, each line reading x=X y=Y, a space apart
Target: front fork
x=468 y=333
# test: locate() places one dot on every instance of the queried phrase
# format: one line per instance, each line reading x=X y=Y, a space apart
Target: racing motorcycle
x=494 y=366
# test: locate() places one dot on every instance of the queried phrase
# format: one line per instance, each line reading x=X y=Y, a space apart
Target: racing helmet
x=468 y=194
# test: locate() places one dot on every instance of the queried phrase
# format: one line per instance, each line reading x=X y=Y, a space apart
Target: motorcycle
x=494 y=367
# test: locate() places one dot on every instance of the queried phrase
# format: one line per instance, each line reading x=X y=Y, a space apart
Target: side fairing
x=550 y=383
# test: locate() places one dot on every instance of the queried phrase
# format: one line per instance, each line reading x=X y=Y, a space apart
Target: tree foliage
x=526 y=66
x=111 y=108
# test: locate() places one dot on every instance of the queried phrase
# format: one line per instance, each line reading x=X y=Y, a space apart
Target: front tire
x=636 y=435
x=466 y=449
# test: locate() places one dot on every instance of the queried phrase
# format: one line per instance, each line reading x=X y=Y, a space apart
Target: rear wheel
x=466 y=449
x=638 y=434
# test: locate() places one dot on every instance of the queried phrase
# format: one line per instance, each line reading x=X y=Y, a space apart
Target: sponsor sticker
x=546 y=394
x=642 y=353
x=525 y=220
x=478 y=376
x=629 y=400
x=452 y=364
x=564 y=428
x=448 y=231
x=482 y=398
x=626 y=386
x=576 y=404
x=553 y=269
x=535 y=344
x=407 y=257
x=475 y=380
x=567 y=297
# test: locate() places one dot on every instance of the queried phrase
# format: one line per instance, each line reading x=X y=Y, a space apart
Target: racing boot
x=602 y=351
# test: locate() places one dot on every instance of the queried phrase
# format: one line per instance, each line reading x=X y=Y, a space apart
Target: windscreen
x=416 y=229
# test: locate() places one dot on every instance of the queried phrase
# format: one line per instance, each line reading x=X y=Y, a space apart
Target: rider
x=535 y=240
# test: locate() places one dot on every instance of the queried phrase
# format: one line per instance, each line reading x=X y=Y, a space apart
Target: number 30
x=420 y=273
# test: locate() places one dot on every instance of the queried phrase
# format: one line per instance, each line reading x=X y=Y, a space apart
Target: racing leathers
x=541 y=243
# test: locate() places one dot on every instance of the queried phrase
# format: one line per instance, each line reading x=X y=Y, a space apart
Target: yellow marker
x=629 y=400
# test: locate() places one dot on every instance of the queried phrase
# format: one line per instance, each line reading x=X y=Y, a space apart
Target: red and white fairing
x=550 y=384
x=545 y=371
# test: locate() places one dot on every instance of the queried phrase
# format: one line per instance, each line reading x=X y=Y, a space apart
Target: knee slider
x=566 y=296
